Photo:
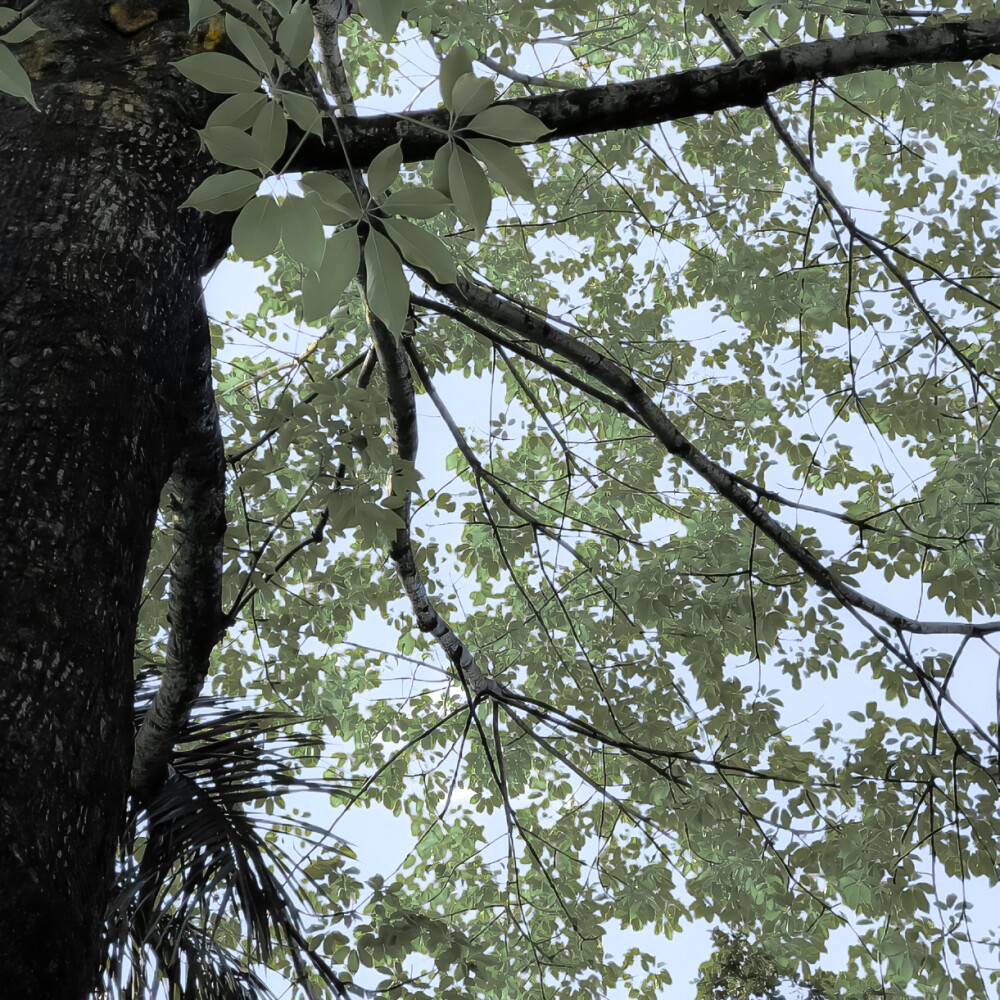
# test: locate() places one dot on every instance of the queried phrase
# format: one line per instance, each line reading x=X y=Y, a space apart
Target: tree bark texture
x=99 y=283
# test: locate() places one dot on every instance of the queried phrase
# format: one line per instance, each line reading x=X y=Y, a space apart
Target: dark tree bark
x=739 y=83
x=99 y=283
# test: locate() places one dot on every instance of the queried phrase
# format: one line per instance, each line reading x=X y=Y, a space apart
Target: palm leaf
x=203 y=902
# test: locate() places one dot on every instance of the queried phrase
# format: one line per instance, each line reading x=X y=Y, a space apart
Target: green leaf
x=13 y=79
x=257 y=228
x=388 y=293
x=504 y=121
x=441 y=167
x=383 y=15
x=339 y=204
x=251 y=44
x=471 y=94
x=384 y=168
x=330 y=188
x=296 y=32
x=470 y=190
x=270 y=132
x=505 y=165
x=456 y=63
x=233 y=146
x=239 y=111
x=198 y=10
x=332 y=215
x=417 y=203
x=302 y=110
x=302 y=232
x=223 y=192
x=219 y=73
x=322 y=291
x=422 y=249
x=25 y=30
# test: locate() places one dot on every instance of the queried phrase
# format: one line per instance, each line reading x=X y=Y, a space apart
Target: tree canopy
x=696 y=622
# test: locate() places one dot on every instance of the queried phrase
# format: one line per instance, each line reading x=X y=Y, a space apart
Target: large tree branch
x=403 y=416
x=745 y=82
x=198 y=494
x=613 y=377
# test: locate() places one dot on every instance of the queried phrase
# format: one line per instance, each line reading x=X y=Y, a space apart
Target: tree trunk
x=99 y=277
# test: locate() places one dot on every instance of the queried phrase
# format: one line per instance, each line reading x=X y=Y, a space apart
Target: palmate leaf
x=505 y=165
x=441 y=169
x=384 y=169
x=234 y=147
x=21 y=33
x=302 y=231
x=471 y=94
x=416 y=203
x=270 y=132
x=239 y=111
x=198 y=10
x=251 y=8
x=332 y=198
x=504 y=121
x=302 y=110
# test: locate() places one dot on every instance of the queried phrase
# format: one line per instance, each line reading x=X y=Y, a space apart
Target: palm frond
x=205 y=900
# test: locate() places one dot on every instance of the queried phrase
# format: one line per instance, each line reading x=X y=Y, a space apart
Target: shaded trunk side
x=99 y=274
